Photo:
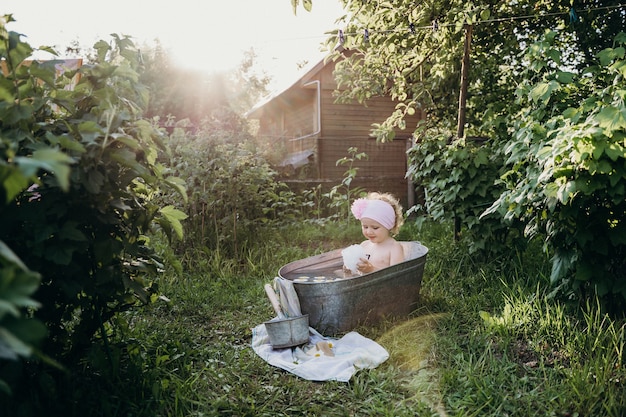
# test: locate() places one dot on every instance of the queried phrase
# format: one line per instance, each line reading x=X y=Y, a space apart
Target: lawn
x=486 y=340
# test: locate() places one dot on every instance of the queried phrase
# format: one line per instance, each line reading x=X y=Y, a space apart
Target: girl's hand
x=365 y=266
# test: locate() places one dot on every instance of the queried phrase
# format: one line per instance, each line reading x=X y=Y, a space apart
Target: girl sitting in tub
x=381 y=219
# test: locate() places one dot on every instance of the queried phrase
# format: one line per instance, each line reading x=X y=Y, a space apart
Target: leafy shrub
x=19 y=332
x=232 y=189
x=94 y=167
x=459 y=179
x=234 y=192
x=566 y=175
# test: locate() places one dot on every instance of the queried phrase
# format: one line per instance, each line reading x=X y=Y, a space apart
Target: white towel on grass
x=352 y=352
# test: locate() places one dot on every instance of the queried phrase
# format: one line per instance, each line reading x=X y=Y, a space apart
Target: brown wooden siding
x=357 y=119
x=384 y=159
x=300 y=120
x=383 y=171
x=301 y=127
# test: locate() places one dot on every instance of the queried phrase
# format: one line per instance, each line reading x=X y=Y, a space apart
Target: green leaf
x=555 y=54
x=93 y=181
x=598 y=149
x=137 y=288
x=6 y=95
x=129 y=159
x=611 y=118
x=14 y=183
x=562 y=262
x=19 y=290
x=14 y=344
x=48 y=159
x=7 y=307
x=307 y=4
x=173 y=217
x=604 y=167
x=127 y=140
x=29 y=331
x=7 y=255
x=21 y=112
x=584 y=271
x=606 y=56
x=60 y=255
x=19 y=51
x=66 y=142
x=179 y=185
x=565 y=77
x=620 y=66
x=566 y=191
x=70 y=232
x=572 y=114
x=542 y=91
x=90 y=131
x=615 y=151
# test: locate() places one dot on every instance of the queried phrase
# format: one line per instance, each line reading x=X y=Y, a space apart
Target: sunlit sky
x=209 y=35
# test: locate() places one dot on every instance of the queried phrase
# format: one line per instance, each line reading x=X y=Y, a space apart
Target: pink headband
x=377 y=210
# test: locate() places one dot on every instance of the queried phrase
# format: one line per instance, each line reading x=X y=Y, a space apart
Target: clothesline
x=436 y=25
x=572 y=13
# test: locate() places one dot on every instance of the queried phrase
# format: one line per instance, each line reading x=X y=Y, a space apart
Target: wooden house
x=312 y=131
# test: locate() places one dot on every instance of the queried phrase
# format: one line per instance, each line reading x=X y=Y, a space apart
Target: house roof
x=308 y=74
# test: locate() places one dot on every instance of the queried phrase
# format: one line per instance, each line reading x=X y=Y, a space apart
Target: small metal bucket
x=288 y=332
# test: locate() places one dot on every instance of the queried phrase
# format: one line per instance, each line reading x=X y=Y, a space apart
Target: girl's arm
x=397 y=254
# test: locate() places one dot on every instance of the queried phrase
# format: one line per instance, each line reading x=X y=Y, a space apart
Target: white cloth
x=289 y=301
x=352 y=256
x=352 y=352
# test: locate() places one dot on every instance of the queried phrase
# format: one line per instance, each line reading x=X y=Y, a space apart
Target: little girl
x=381 y=218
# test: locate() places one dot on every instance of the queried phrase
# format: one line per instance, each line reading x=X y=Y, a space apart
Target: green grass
x=487 y=340
x=508 y=348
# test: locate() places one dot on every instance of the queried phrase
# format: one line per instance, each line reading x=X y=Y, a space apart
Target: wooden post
x=460 y=131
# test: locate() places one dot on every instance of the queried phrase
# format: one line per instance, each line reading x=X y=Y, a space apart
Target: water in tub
x=351 y=256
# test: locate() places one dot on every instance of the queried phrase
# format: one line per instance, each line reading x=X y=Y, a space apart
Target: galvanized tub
x=337 y=303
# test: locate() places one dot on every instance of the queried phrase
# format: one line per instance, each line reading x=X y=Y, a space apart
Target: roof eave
x=256 y=110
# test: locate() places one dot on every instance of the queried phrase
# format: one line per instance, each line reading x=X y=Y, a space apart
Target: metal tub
x=337 y=303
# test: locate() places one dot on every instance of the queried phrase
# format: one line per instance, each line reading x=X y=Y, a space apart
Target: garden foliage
x=85 y=178
x=232 y=189
x=79 y=170
x=566 y=166
x=234 y=193
x=458 y=177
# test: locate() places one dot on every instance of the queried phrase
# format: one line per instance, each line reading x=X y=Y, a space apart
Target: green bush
x=459 y=180
x=566 y=177
x=20 y=334
x=234 y=192
x=232 y=189
x=79 y=172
